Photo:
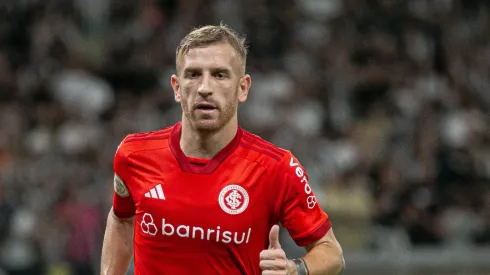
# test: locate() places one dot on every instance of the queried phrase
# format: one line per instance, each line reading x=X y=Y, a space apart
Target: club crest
x=233 y=199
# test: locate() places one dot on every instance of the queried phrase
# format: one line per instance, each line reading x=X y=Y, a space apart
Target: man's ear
x=174 y=81
x=245 y=83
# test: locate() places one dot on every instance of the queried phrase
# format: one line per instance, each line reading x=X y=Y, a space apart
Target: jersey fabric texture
x=196 y=216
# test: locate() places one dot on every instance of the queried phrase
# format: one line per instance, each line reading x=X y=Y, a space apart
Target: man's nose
x=205 y=87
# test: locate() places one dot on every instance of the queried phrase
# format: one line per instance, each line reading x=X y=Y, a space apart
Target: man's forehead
x=223 y=55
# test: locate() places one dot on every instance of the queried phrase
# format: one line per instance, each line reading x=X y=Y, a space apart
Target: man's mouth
x=206 y=106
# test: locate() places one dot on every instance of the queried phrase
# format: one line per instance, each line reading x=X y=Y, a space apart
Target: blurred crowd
x=386 y=103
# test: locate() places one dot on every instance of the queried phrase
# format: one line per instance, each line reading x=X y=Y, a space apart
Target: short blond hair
x=211 y=34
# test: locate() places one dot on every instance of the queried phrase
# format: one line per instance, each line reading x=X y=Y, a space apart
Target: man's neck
x=206 y=144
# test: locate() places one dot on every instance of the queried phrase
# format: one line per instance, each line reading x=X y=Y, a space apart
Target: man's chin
x=207 y=125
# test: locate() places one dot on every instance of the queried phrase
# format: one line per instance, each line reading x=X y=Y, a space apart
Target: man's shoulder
x=263 y=151
x=143 y=141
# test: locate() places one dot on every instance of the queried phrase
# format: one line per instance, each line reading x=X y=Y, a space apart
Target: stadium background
x=385 y=103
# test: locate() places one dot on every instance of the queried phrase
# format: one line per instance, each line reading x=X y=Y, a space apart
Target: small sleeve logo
x=119 y=187
x=311 y=200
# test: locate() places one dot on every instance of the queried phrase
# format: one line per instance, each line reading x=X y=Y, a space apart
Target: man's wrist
x=292 y=270
x=299 y=267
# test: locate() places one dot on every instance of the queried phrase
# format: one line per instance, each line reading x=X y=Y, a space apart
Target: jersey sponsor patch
x=119 y=187
x=311 y=199
x=233 y=199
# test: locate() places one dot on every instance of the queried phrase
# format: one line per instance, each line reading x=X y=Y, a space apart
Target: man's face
x=209 y=86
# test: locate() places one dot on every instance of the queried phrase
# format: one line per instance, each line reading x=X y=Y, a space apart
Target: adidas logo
x=156 y=193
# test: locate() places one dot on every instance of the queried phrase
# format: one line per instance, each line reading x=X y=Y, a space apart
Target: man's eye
x=220 y=75
x=190 y=74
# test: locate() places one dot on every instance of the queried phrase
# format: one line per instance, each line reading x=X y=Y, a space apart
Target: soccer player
x=204 y=196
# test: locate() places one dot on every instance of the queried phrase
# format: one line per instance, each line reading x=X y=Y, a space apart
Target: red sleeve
x=122 y=203
x=298 y=208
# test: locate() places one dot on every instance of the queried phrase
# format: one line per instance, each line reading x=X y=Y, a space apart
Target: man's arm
x=117 y=249
x=309 y=226
x=323 y=256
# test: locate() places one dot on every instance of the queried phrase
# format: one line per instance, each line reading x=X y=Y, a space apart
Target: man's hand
x=274 y=260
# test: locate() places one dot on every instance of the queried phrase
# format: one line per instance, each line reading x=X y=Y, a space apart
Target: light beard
x=209 y=126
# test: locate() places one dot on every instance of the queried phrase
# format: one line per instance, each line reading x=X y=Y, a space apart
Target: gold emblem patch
x=119 y=187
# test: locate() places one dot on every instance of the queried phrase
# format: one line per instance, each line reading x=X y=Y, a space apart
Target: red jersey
x=196 y=216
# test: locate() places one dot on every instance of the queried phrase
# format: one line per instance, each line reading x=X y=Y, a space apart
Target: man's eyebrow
x=192 y=69
x=221 y=70
x=213 y=70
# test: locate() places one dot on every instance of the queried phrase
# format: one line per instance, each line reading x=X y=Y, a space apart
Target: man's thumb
x=274 y=237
